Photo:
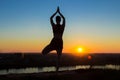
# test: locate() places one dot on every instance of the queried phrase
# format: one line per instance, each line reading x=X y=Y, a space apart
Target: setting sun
x=80 y=49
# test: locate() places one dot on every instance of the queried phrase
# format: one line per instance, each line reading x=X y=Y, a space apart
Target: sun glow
x=80 y=49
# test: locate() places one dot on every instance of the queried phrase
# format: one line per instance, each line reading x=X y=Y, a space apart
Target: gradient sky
x=91 y=24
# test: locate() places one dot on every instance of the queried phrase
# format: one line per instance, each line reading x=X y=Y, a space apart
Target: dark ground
x=67 y=75
x=18 y=60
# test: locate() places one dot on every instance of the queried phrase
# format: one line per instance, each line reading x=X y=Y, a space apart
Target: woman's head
x=58 y=19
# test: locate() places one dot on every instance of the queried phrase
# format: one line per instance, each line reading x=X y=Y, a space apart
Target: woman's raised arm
x=61 y=16
x=51 y=18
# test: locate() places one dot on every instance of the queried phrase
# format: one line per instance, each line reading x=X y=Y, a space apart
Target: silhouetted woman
x=57 y=42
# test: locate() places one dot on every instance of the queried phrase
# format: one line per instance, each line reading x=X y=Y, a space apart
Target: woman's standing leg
x=59 y=53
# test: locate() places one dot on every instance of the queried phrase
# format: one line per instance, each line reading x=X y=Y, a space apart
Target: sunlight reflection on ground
x=49 y=69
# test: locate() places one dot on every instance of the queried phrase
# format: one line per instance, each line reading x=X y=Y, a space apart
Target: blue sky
x=94 y=24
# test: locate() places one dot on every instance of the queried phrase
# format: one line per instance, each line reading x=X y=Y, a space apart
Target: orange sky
x=70 y=46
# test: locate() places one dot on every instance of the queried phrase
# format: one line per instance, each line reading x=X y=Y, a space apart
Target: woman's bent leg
x=46 y=50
